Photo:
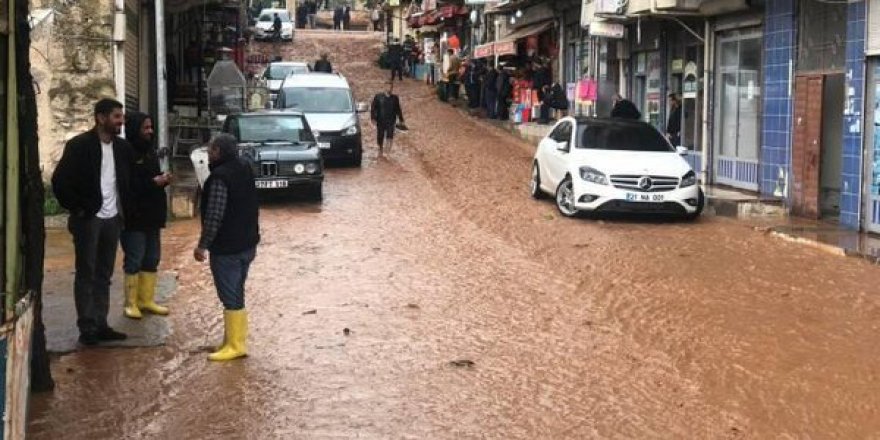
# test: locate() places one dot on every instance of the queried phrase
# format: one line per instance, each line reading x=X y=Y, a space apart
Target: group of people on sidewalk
x=114 y=191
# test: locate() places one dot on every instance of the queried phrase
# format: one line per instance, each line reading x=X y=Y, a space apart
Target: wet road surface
x=476 y=312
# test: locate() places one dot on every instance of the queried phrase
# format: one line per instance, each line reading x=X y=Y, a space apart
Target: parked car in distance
x=328 y=103
x=263 y=28
x=277 y=71
x=280 y=147
x=614 y=165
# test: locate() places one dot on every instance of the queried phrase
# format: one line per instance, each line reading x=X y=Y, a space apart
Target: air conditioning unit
x=610 y=7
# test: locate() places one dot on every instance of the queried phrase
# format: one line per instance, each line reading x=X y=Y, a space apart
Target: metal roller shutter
x=132 y=54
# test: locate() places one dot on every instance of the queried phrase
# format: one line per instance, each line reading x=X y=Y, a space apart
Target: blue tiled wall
x=850 y=196
x=779 y=51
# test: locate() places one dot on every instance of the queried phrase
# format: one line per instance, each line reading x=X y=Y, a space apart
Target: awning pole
x=161 y=84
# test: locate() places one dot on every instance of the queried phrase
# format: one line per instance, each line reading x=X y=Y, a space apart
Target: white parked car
x=263 y=28
x=614 y=165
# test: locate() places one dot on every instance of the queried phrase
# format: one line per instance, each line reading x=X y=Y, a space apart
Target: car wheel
x=535 y=183
x=565 y=198
x=701 y=203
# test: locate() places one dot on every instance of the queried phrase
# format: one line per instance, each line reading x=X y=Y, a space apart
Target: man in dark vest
x=230 y=232
x=92 y=181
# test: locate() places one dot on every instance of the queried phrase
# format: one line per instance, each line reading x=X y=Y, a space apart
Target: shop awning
x=527 y=31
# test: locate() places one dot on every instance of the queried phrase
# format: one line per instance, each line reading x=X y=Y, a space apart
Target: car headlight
x=593 y=175
x=299 y=168
x=689 y=179
x=351 y=131
x=311 y=168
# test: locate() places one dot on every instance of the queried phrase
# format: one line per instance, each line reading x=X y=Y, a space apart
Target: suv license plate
x=644 y=197
x=324 y=145
x=271 y=184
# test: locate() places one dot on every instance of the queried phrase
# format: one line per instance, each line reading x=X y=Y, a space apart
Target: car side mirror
x=681 y=150
x=562 y=146
x=362 y=107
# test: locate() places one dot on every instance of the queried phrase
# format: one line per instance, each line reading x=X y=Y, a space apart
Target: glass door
x=738 y=94
x=872 y=141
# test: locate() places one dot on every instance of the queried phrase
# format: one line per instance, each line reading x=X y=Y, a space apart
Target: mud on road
x=475 y=312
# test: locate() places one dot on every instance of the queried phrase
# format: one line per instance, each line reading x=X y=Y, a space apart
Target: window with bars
x=821 y=36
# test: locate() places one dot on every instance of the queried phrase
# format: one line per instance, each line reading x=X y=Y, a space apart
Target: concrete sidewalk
x=831 y=238
x=59 y=311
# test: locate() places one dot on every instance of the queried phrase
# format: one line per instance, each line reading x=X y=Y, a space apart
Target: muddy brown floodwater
x=475 y=312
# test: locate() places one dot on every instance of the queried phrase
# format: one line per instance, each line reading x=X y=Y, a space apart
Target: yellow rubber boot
x=235 y=322
x=147 y=293
x=130 y=286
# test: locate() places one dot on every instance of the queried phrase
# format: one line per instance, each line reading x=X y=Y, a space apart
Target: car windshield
x=621 y=137
x=271 y=128
x=318 y=99
x=280 y=71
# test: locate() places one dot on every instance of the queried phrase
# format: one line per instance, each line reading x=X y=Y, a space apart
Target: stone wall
x=72 y=59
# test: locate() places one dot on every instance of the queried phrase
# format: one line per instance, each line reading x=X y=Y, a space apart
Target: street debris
x=462 y=363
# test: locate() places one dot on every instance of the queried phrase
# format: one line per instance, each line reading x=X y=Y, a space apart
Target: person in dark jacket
x=504 y=88
x=395 y=59
x=490 y=93
x=312 y=12
x=337 y=18
x=346 y=17
x=384 y=112
x=472 y=75
x=323 y=64
x=276 y=28
x=141 y=238
x=624 y=108
x=673 y=124
x=91 y=181
x=230 y=232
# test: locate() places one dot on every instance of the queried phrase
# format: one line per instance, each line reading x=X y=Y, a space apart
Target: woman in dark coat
x=140 y=238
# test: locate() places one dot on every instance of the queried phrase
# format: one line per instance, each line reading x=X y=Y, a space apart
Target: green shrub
x=50 y=203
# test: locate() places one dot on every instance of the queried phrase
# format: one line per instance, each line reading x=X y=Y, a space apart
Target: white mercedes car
x=614 y=165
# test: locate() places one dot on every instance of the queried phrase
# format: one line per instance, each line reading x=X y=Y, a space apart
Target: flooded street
x=474 y=311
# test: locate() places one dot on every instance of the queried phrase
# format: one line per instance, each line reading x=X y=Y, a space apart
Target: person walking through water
x=91 y=181
x=230 y=232
x=276 y=29
x=384 y=112
x=141 y=237
x=323 y=64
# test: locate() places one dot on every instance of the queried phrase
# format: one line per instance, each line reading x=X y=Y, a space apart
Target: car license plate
x=644 y=197
x=324 y=145
x=271 y=184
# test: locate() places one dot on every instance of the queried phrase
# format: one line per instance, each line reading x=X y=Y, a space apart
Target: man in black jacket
x=141 y=244
x=385 y=111
x=91 y=181
x=624 y=108
x=323 y=64
x=231 y=232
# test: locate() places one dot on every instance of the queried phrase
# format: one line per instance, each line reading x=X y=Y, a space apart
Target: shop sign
x=505 y=48
x=689 y=84
x=485 y=50
x=606 y=29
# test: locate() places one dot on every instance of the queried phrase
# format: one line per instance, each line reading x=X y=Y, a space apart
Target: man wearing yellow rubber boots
x=141 y=237
x=230 y=232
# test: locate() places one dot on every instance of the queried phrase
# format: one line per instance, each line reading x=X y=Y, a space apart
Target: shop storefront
x=197 y=35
